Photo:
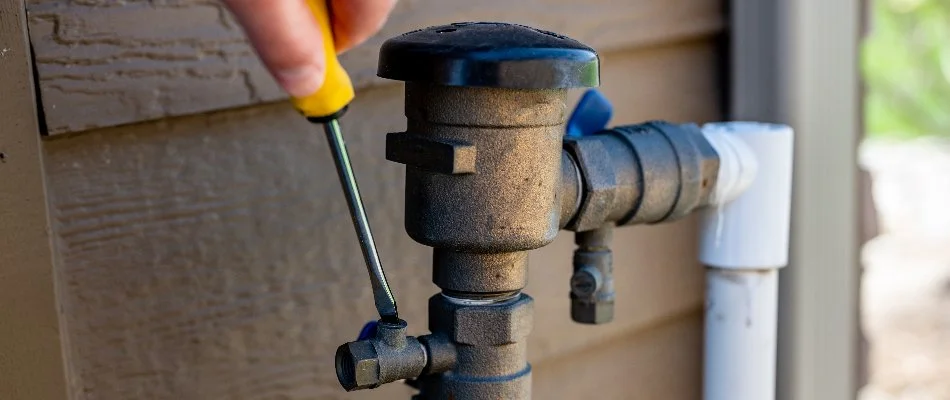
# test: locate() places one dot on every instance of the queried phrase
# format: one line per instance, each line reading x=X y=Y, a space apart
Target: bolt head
x=585 y=282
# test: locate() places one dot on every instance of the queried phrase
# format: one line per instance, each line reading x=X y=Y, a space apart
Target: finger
x=287 y=39
x=354 y=21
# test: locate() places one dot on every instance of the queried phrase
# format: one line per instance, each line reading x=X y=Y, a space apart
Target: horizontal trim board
x=31 y=356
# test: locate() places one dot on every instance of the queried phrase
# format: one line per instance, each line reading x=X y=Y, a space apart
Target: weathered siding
x=659 y=363
x=103 y=63
x=211 y=256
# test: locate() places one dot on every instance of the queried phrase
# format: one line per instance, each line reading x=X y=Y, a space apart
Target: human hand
x=287 y=39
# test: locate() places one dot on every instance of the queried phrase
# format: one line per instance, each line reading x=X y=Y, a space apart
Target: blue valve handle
x=368 y=331
x=591 y=115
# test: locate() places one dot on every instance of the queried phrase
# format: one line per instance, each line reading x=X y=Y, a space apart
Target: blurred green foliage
x=906 y=63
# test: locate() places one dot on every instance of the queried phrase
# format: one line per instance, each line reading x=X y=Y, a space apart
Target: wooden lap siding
x=103 y=63
x=210 y=255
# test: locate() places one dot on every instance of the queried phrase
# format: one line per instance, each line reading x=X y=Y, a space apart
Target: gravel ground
x=906 y=288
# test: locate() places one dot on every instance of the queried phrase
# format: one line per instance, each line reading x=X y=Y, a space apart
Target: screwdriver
x=325 y=107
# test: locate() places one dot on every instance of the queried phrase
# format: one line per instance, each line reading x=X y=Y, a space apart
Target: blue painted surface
x=592 y=114
x=368 y=331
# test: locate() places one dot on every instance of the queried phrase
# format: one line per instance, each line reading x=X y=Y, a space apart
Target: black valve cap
x=489 y=54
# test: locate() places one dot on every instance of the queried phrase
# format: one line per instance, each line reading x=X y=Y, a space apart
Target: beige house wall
x=202 y=244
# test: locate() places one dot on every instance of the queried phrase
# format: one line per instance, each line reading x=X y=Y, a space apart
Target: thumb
x=287 y=39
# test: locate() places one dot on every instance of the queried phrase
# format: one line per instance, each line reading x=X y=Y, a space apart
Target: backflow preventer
x=490 y=176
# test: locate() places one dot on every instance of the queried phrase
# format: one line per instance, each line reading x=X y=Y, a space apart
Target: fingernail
x=300 y=81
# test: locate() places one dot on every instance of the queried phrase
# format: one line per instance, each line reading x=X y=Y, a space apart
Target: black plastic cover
x=489 y=54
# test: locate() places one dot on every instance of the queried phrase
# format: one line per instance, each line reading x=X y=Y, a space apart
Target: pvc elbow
x=747 y=224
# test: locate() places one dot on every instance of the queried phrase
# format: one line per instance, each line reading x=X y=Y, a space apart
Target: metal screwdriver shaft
x=382 y=295
x=325 y=106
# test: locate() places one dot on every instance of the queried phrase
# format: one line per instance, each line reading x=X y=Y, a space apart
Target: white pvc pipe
x=744 y=242
x=741 y=318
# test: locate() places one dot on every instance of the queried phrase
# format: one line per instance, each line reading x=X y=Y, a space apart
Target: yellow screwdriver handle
x=337 y=90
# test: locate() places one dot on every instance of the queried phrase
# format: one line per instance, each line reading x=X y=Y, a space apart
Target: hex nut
x=483 y=325
x=600 y=183
x=598 y=312
x=698 y=166
x=709 y=168
x=496 y=324
x=357 y=366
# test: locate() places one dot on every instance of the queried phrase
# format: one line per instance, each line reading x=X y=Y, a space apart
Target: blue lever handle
x=368 y=331
x=592 y=114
